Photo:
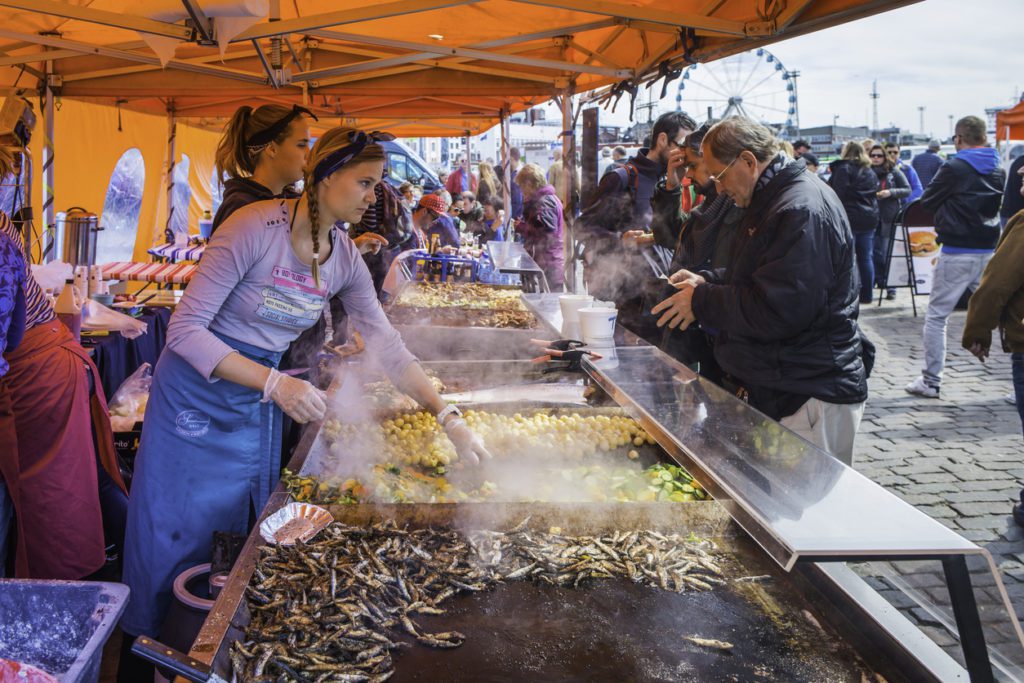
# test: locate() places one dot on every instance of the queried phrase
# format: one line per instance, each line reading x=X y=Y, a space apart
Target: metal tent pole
x=568 y=181
x=47 y=239
x=506 y=175
x=172 y=132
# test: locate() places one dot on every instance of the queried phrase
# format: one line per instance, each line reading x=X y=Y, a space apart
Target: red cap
x=433 y=202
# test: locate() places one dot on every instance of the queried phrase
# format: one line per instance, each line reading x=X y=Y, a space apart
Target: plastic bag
x=128 y=405
x=52 y=275
x=96 y=316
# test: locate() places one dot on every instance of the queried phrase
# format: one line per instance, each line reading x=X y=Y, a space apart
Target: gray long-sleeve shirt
x=252 y=287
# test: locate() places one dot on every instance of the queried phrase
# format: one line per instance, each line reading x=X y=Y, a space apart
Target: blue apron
x=209 y=451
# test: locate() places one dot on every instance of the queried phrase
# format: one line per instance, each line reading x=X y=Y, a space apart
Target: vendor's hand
x=884 y=194
x=299 y=399
x=676 y=168
x=684 y=277
x=637 y=238
x=979 y=351
x=370 y=243
x=677 y=310
x=468 y=445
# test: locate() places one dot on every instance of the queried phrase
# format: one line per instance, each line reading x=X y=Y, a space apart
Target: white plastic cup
x=571 y=305
x=597 y=324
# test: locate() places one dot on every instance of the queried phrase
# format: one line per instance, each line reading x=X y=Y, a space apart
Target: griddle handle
x=169 y=658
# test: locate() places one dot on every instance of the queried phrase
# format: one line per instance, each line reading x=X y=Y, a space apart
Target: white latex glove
x=299 y=399
x=468 y=445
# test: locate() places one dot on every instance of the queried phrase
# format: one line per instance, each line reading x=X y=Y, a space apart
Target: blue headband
x=357 y=142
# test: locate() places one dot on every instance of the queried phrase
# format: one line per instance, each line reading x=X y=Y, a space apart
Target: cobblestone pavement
x=959 y=458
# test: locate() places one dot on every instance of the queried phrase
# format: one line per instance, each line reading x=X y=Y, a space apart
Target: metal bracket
x=55 y=83
x=759 y=28
x=200 y=23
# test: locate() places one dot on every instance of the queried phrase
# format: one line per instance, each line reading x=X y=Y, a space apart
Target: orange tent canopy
x=1010 y=123
x=417 y=67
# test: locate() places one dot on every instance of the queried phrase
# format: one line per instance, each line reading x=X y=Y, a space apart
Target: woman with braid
x=206 y=457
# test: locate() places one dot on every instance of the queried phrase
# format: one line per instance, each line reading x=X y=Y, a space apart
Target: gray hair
x=934 y=145
x=728 y=138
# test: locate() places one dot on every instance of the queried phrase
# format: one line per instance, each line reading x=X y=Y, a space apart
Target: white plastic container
x=571 y=305
x=597 y=325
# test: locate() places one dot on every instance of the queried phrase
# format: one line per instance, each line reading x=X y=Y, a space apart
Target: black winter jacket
x=239 y=192
x=785 y=311
x=621 y=202
x=856 y=187
x=899 y=189
x=965 y=204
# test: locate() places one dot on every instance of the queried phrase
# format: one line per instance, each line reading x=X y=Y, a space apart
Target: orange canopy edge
x=415 y=67
x=1010 y=123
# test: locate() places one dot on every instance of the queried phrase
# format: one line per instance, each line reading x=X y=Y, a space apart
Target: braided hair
x=329 y=142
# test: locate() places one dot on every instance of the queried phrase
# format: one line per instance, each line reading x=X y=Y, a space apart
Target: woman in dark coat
x=857 y=187
x=541 y=226
x=893 y=188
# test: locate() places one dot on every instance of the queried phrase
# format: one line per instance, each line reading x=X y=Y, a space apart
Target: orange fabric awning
x=1010 y=123
x=417 y=67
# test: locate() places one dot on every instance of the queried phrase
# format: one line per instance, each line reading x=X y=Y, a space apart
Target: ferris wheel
x=753 y=84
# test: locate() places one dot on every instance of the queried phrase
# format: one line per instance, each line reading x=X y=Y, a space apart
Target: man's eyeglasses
x=716 y=178
x=877 y=156
x=893 y=152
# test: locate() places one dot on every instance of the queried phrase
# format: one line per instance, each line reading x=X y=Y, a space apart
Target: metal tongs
x=568 y=351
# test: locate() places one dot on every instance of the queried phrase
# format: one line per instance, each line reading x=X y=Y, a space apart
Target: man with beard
x=785 y=307
x=620 y=206
x=702 y=241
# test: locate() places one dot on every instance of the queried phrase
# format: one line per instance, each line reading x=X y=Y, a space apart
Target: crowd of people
x=716 y=242
x=769 y=266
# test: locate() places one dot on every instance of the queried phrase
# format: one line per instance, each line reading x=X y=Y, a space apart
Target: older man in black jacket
x=785 y=309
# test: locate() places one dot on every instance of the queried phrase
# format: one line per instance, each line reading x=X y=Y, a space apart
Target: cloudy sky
x=951 y=56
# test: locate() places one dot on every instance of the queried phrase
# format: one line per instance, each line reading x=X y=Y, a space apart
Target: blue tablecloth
x=117 y=357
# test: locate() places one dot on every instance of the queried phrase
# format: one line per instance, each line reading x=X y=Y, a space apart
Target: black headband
x=268 y=135
x=357 y=142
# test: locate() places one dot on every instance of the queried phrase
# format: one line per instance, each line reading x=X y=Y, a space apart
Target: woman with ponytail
x=206 y=460
x=263 y=153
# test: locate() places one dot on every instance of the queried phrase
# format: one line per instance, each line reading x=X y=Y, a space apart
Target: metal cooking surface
x=613 y=630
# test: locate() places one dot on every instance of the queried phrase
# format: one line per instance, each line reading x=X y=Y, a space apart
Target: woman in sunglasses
x=857 y=187
x=206 y=459
x=893 y=187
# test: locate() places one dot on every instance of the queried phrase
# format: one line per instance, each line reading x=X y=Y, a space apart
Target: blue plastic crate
x=59 y=626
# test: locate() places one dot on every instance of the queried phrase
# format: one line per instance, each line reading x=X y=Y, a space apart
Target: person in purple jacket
x=206 y=456
x=541 y=226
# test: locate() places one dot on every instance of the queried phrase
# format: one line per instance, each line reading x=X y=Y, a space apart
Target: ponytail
x=235 y=157
x=232 y=158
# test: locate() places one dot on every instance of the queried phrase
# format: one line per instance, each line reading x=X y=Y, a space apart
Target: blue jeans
x=864 y=244
x=1017 y=365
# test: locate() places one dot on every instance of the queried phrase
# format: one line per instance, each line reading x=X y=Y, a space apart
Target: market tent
x=415 y=67
x=1010 y=123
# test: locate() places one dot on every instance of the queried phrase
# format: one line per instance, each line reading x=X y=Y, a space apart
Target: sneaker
x=921 y=388
x=890 y=295
x=1011 y=398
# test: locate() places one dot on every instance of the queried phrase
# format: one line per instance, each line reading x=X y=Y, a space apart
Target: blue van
x=402 y=164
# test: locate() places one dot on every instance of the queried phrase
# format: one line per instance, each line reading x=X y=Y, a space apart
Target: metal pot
x=81 y=228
